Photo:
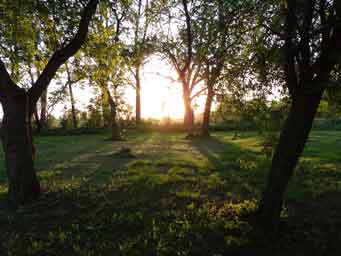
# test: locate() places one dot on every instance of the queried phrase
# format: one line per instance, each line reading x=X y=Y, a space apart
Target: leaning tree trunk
x=205 y=129
x=138 y=96
x=37 y=121
x=18 y=147
x=290 y=146
x=43 y=110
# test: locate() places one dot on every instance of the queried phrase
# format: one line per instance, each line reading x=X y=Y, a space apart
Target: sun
x=161 y=97
x=159 y=100
x=161 y=94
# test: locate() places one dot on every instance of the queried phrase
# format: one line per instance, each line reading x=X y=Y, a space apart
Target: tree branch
x=198 y=93
x=5 y=80
x=62 y=55
x=289 y=51
x=189 y=38
x=331 y=49
x=196 y=77
x=305 y=70
x=173 y=60
x=4 y=76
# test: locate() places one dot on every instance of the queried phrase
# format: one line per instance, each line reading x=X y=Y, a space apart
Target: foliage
x=255 y=114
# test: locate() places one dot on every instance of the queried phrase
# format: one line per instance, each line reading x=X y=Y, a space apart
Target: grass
x=173 y=197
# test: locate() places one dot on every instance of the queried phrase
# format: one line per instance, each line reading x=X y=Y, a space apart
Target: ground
x=159 y=194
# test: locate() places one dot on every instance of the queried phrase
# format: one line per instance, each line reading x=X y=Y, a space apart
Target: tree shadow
x=315 y=224
x=100 y=219
x=243 y=170
x=158 y=207
x=223 y=154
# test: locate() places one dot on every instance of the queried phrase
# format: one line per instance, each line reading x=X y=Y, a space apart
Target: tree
x=106 y=63
x=141 y=18
x=21 y=34
x=178 y=46
x=310 y=36
x=19 y=105
x=75 y=72
x=219 y=28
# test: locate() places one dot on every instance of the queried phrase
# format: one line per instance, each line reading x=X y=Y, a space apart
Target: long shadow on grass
x=312 y=226
x=134 y=218
x=141 y=214
x=242 y=169
x=128 y=220
x=219 y=152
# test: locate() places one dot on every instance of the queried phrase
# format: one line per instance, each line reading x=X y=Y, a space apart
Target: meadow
x=160 y=194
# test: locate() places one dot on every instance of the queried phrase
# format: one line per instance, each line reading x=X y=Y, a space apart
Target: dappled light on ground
x=170 y=196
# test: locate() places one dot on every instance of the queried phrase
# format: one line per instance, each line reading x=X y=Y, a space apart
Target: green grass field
x=172 y=196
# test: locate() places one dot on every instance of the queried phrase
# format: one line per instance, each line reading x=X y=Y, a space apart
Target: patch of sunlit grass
x=173 y=197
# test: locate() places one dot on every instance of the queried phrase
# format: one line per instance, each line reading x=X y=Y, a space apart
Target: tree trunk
x=138 y=96
x=115 y=131
x=73 y=108
x=205 y=130
x=189 y=113
x=105 y=110
x=291 y=143
x=18 y=147
x=189 y=119
x=43 y=110
x=37 y=120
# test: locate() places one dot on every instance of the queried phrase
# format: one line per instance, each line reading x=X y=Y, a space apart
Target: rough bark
x=18 y=147
x=291 y=143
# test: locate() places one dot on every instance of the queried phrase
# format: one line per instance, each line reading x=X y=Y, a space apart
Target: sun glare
x=160 y=103
x=161 y=96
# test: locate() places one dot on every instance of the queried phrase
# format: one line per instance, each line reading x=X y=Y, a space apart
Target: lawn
x=171 y=196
